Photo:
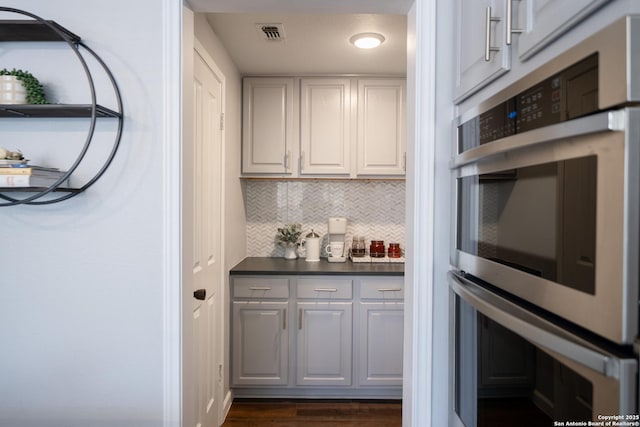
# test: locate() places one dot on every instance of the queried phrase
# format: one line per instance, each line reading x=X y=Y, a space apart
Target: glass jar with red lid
x=394 y=250
x=376 y=249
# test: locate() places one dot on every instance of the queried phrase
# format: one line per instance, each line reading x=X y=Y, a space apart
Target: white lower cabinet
x=381 y=331
x=317 y=336
x=260 y=343
x=324 y=343
x=260 y=335
x=381 y=340
x=325 y=326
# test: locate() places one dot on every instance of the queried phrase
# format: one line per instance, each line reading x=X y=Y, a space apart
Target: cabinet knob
x=200 y=294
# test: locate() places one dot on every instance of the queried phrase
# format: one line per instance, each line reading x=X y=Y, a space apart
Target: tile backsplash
x=374 y=209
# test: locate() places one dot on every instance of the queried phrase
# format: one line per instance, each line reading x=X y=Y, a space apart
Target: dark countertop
x=281 y=266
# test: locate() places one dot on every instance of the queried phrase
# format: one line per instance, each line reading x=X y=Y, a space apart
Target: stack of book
x=24 y=175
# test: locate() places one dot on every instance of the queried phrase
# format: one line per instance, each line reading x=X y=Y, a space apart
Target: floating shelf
x=17 y=30
x=37 y=189
x=54 y=110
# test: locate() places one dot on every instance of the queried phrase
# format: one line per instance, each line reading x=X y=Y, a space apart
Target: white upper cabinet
x=325 y=126
x=543 y=21
x=494 y=37
x=269 y=126
x=381 y=143
x=482 y=55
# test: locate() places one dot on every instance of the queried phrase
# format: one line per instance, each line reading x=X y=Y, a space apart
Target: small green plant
x=35 y=91
x=290 y=233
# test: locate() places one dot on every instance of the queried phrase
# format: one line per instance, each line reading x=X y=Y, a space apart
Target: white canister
x=311 y=245
x=12 y=91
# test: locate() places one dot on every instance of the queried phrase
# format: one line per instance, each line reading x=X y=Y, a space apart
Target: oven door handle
x=534 y=328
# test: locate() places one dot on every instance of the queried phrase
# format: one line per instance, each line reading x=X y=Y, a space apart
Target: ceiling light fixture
x=367 y=40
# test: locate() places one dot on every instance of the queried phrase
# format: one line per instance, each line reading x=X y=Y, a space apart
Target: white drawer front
x=260 y=287
x=387 y=288
x=321 y=288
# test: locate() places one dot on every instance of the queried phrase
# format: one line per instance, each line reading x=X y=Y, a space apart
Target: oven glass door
x=513 y=367
x=552 y=217
x=539 y=219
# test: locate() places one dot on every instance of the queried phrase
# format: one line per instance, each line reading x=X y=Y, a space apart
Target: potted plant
x=20 y=87
x=289 y=237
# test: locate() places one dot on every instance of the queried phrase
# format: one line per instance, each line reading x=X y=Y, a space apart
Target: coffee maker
x=336 y=239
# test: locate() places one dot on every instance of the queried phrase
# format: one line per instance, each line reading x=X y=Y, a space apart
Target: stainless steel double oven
x=546 y=246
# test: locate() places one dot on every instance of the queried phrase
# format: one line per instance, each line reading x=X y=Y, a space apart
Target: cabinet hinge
x=221 y=121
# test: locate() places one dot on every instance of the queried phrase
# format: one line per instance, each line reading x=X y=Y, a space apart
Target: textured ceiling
x=317 y=34
x=312 y=43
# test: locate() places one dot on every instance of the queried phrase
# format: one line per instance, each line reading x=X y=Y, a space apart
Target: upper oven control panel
x=571 y=93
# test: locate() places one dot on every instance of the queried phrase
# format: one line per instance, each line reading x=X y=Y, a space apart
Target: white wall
x=81 y=306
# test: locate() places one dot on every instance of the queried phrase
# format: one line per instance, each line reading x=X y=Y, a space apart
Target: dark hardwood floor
x=314 y=413
x=370 y=413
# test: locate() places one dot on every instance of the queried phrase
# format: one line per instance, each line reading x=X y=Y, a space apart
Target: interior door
x=207 y=241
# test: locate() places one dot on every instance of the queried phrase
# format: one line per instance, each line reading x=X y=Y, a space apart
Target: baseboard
x=226 y=405
x=317 y=393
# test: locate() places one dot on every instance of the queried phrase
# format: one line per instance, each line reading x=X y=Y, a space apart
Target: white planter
x=12 y=91
x=290 y=251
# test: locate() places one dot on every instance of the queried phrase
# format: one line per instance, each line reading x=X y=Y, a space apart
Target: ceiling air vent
x=271 y=32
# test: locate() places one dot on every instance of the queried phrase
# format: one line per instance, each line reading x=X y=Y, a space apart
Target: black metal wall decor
x=37 y=29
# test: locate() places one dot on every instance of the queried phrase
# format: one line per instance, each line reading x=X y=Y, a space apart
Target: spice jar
x=376 y=249
x=358 y=248
x=394 y=250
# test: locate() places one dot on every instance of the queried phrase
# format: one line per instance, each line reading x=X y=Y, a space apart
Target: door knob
x=200 y=294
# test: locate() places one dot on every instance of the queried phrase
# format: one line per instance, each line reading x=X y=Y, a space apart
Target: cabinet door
x=325 y=126
x=324 y=343
x=473 y=70
x=381 y=127
x=260 y=343
x=268 y=125
x=546 y=20
x=503 y=373
x=381 y=341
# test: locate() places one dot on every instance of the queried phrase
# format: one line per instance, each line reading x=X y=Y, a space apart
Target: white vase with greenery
x=289 y=237
x=12 y=91
x=20 y=87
